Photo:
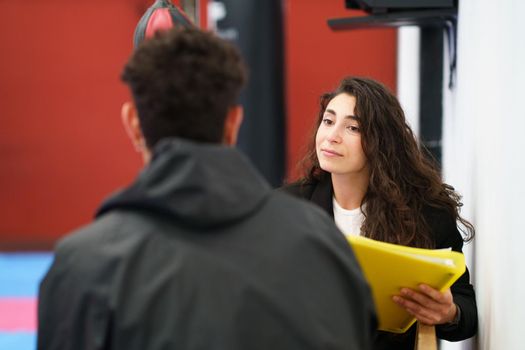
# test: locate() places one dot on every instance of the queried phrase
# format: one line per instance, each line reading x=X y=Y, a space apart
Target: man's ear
x=232 y=124
x=130 y=120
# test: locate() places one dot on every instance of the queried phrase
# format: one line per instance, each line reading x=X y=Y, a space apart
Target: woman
x=364 y=167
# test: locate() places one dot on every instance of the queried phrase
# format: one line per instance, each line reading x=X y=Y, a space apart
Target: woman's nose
x=334 y=135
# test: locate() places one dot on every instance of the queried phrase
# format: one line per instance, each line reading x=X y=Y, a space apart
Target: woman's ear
x=232 y=124
x=130 y=120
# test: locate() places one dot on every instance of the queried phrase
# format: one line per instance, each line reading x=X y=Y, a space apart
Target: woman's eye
x=353 y=128
x=327 y=121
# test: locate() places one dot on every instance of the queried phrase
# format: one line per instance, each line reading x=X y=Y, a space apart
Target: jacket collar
x=323 y=193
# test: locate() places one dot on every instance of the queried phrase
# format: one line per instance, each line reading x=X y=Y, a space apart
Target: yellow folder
x=390 y=267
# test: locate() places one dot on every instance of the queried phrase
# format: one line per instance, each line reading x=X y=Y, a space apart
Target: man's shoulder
x=100 y=242
x=299 y=216
x=92 y=233
x=294 y=195
x=301 y=189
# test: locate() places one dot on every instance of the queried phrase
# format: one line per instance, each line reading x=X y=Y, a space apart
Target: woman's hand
x=428 y=305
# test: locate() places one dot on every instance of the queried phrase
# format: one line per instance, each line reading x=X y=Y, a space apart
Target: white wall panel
x=484 y=143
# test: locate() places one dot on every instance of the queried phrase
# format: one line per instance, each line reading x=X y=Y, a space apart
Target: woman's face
x=338 y=139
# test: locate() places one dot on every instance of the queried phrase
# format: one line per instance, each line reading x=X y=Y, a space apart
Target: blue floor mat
x=17 y=341
x=20 y=275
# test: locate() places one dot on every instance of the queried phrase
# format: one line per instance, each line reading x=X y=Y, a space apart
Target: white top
x=348 y=221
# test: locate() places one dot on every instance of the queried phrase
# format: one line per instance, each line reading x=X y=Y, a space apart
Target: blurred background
x=457 y=67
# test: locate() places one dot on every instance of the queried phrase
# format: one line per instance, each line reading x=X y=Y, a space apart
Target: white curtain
x=408 y=74
x=484 y=146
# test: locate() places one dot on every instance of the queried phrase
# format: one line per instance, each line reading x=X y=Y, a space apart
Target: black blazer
x=445 y=234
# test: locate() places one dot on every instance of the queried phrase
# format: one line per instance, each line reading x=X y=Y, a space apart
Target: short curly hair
x=183 y=82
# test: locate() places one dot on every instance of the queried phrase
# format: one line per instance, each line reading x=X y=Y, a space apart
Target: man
x=199 y=253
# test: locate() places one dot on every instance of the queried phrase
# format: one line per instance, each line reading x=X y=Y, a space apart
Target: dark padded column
x=431 y=90
x=256 y=26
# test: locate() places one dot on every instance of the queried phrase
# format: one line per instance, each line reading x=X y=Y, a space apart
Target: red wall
x=62 y=146
x=317 y=58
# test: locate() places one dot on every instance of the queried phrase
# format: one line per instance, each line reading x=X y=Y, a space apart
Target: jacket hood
x=198 y=184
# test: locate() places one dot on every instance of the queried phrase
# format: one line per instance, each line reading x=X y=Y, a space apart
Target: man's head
x=185 y=83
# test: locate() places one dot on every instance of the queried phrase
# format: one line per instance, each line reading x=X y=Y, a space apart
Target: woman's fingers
x=428 y=305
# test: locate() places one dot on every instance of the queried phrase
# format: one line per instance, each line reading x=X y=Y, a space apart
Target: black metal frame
x=422 y=18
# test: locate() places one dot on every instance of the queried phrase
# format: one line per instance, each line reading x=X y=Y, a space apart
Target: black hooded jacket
x=199 y=253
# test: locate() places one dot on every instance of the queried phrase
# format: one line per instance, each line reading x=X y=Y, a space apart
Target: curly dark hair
x=183 y=81
x=403 y=179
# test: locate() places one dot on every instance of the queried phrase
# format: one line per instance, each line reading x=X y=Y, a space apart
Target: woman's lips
x=330 y=153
